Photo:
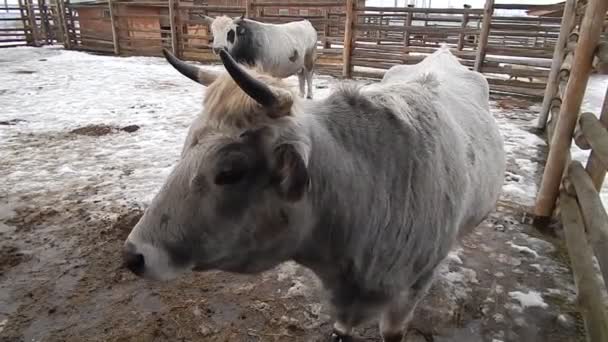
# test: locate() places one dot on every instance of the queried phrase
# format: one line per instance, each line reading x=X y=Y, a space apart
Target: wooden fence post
x=348 y=39
x=67 y=42
x=595 y=168
x=26 y=31
x=580 y=253
x=249 y=8
x=31 y=17
x=591 y=29
x=174 y=42
x=326 y=43
x=558 y=57
x=114 y=31
x=408 y=23
x=485 y=33
x=465 y=22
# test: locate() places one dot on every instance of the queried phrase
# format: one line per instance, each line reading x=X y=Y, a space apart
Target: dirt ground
x=61 y=277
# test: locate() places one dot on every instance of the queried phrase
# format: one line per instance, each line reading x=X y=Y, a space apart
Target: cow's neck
x=334 y=174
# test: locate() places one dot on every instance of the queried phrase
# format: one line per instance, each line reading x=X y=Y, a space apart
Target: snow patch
x=523 y=249
x=530 y=299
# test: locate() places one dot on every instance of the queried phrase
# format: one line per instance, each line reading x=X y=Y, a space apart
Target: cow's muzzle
x=134 y=261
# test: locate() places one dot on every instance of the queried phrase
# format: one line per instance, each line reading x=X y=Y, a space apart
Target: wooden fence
x=28 y=23
x=514 y=52
x=577 y=188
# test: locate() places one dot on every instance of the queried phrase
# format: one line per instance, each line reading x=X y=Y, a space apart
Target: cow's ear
x=291 y=175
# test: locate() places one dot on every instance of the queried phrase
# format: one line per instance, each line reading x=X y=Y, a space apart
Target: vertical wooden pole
x=114 y=28
x=465 y=22
x=327 y=33
x=591 y=29
x=249 y=8
x=26 y=31
x=71 y=31
x=595 y=168
x=31 y=15
x=408 y=23
x=348 y=39
x=558 y=58
x=174 y=42
x=58 y=19
x=44 y=32
x=485 y=33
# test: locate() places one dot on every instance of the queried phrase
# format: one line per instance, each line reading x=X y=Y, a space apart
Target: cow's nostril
x=133 y=261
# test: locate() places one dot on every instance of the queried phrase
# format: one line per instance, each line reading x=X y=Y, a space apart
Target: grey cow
x=369 y=188
x=280 y=50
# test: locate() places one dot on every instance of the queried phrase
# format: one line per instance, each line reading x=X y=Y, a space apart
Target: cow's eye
x=231 y=171
x=240 y=30
x=230 y=36
x=231 y=176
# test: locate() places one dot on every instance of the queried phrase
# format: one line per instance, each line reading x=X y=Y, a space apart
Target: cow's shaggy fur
x=369 y=188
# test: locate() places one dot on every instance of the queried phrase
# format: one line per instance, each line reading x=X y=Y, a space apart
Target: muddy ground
x=61 y=277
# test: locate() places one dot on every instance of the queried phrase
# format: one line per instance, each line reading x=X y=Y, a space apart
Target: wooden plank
x=526 y=28
x=416 y=29
x=114 y=33
x=594 y=214
x=348 y=38
x=588 y=290
x=483 y=37
x=518 y=52
x=591 y=29
x=174 y=42
x=558 y=54
x=299 y=4
x=541 y=63
x=595 y=168
x=418 y=10
x=596 y=135
x=524 y=91
x=516 y=83
x=540 y=73
x=463 y=25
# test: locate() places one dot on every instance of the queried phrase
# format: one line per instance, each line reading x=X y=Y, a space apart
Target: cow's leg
x=309 y=82
x=341 y=333
x=398 y=314
x=309 y=65
x=301 y=79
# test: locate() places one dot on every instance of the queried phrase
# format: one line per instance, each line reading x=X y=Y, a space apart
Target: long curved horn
x=207 y=19
x=257 y=90
x=198 y=75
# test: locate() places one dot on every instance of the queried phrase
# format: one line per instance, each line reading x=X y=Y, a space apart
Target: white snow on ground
x=70 y=89
x=530 y=299
x=524 y=249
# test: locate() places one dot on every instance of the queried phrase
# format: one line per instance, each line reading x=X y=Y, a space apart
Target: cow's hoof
x=393 y=338
x=428 y=337
x=337 y=337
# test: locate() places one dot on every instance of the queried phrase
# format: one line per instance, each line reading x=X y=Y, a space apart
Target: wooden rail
x=586 y=226
x=500 y=46
x=591 y=29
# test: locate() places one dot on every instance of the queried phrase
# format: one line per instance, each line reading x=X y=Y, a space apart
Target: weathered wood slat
x=591 y=30
x=597 y=136
x=588 y=289
x=419 y=10
x=300 y=4
x=595 y=168
x=594 y=214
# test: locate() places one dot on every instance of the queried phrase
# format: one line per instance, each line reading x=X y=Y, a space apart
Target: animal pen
x=548 y=58
x=514 y=52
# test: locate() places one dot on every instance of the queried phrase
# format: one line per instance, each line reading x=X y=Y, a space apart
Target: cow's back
x=412 y=163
